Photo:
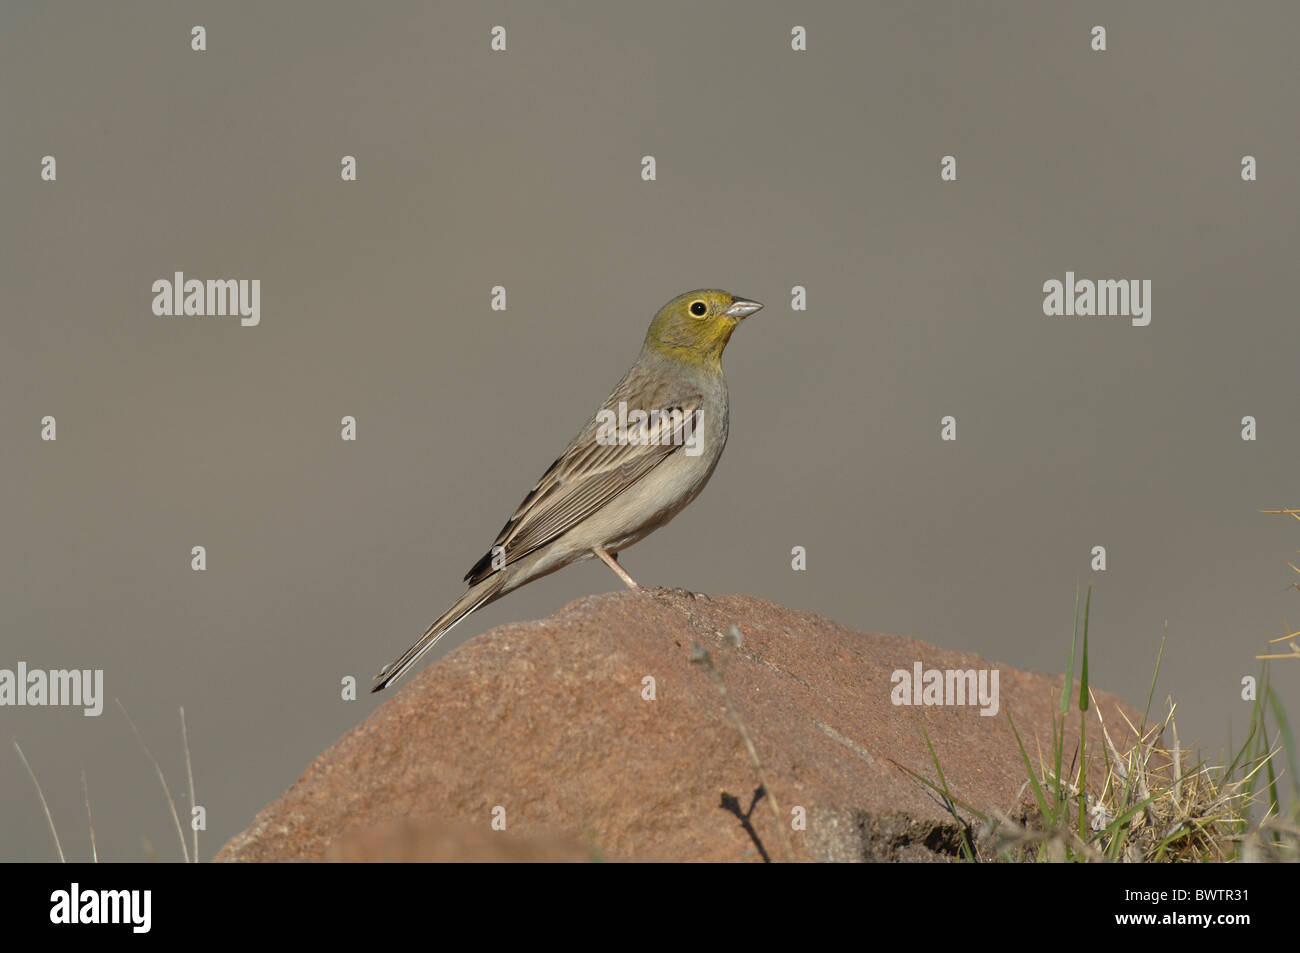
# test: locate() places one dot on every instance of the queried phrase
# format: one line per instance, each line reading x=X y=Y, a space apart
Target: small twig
x=701 y=657
x=41 y=795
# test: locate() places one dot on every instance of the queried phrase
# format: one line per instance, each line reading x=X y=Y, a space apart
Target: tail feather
x=474 y=597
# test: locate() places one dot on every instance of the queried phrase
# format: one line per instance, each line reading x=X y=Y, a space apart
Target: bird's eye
x=699 y=308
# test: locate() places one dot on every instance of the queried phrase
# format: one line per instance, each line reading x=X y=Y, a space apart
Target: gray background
x=820 y=168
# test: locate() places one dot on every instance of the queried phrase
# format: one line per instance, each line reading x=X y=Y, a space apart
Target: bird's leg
x=612 y=563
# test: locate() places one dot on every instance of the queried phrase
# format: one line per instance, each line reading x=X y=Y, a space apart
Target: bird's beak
x=741 y=308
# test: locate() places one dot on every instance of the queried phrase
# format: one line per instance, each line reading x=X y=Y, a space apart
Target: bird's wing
x=585 y=477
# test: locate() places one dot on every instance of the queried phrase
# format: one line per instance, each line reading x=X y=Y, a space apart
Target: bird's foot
x=611 y=560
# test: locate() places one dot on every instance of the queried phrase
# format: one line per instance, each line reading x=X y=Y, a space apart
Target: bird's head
x=695 y=327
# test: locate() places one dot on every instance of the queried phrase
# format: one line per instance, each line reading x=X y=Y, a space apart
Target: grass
x=1153 y=803
x=190 y=854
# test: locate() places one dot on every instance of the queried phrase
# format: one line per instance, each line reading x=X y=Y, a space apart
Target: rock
x=446 y=841
x=547 y=725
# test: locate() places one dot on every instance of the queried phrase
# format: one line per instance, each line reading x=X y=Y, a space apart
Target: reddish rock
x=547 y=721
x=446 y=841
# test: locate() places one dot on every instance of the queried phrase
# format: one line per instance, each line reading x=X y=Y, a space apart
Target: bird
x=646 y=453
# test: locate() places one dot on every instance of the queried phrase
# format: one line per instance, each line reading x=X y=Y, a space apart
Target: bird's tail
x=477 y=595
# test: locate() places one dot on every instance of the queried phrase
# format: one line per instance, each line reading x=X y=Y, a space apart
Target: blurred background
x=523 y=169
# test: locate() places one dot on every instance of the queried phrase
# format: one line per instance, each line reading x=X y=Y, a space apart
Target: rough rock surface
x=548 y=723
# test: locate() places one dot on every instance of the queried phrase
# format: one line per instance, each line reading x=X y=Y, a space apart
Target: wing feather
x=586 y=477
